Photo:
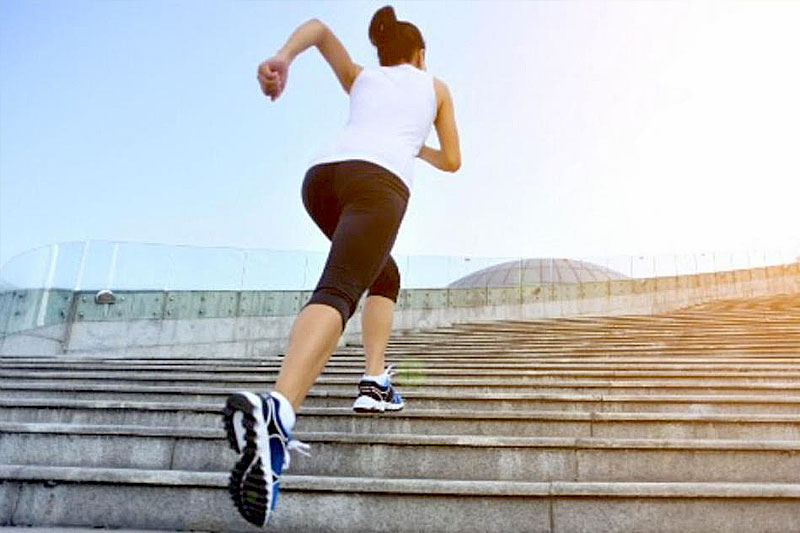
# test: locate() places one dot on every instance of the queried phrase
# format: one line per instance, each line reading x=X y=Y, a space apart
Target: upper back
x=399 y=99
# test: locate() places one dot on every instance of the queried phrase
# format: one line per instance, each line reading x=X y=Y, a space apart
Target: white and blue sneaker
x=376 y=394
x=254 y=428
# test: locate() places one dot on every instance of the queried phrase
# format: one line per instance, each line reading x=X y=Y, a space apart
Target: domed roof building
x=537 y=272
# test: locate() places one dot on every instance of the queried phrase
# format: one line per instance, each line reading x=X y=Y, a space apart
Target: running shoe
x=376 y=395
x=255 y=430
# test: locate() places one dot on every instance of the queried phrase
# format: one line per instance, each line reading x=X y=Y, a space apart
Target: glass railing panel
x=27 y=270
x=96 y=265
x=281 y=270
x=139 y=267
x=194 y=268
x=421 y=271
x=97 y=268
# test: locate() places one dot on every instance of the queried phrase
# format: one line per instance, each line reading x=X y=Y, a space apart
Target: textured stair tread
x=424 y=440
x=415 y=486
x=526 y=415
x=521 y=360
x=517 y=380
x=67 y=403
x=414 y=369
x=320 y=393
x=26 y=529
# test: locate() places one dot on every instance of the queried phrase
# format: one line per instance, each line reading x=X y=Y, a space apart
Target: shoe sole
x=248 y=488
x=247 y=483
x=366 y=404
x=233 y=416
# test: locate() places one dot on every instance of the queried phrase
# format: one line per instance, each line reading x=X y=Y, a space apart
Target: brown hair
x=396 y=40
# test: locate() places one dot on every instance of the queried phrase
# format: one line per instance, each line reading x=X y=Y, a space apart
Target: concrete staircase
x=687 y=421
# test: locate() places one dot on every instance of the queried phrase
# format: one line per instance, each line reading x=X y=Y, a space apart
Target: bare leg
x=311 y=343
x=376 y=327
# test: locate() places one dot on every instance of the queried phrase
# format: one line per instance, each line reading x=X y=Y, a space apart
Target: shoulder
x=442 y=91
x=355 y=71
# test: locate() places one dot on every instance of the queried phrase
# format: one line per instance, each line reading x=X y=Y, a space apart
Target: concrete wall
x=256 y=323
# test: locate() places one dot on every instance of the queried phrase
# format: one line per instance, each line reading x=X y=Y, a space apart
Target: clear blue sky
x=587 y=128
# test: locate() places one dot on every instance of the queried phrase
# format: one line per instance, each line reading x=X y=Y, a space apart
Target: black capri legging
x=359 y=206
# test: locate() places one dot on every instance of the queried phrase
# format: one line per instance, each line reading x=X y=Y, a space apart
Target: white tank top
x=391 y=113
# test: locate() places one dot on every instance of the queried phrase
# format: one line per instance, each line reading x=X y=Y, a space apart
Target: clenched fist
x=272 y=76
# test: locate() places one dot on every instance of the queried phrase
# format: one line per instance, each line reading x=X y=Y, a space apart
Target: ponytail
x=383 y=29
x=395 y=40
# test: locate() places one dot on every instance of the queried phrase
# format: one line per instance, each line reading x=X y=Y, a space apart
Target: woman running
x=356 y=190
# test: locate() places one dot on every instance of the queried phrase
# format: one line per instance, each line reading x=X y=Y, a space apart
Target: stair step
x=76 y=530
x=462 y=457
x=684 y=421
x=163 y=392
x=357 y=371
x=510 y=423
x=531 y=379
x=58 y=409
x=316 y=503
x=522 y=359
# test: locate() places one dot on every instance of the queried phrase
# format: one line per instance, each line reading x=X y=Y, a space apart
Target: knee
x=387 y=283
x=337 y=299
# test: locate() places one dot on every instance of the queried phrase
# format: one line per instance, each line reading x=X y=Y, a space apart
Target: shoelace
x=301 y=447
x=390 y=372
x=293 y=445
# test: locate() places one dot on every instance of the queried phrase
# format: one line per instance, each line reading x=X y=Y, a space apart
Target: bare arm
x=274 y=71
x=436 y=158
x=306 y=35
x=448 y=157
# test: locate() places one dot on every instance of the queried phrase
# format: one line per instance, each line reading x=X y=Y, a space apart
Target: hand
x=272 y=76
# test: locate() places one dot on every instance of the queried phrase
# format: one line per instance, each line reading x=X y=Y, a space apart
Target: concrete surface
x=682 y=421
x=256 y=323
